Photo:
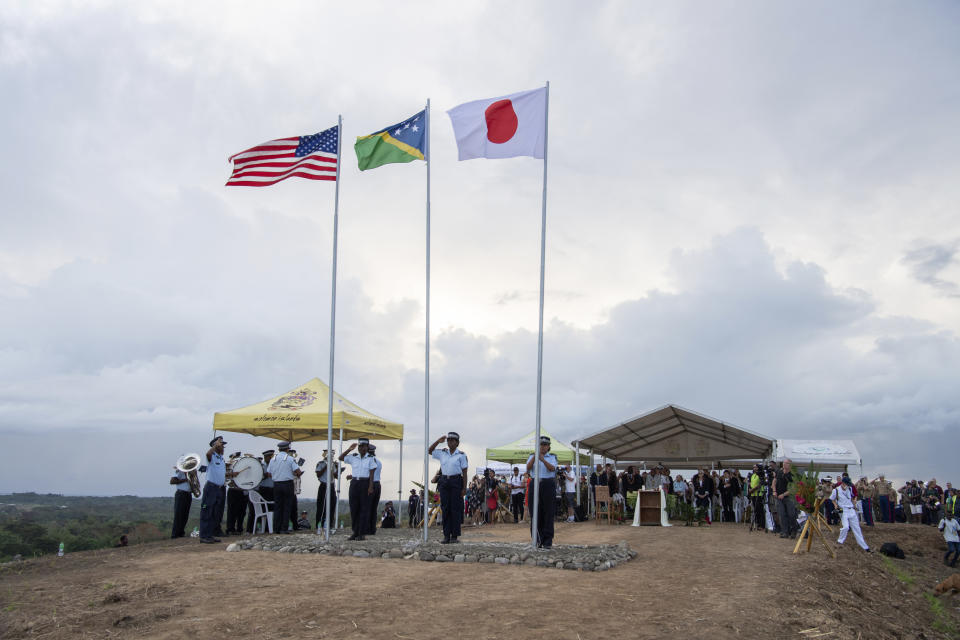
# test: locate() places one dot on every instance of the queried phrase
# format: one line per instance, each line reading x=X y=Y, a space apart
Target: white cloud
x=742 y=201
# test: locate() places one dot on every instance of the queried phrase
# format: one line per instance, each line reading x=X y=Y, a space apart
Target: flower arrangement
x=804 y=487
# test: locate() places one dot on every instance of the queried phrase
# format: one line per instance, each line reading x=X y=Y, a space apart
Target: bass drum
x=249 y=473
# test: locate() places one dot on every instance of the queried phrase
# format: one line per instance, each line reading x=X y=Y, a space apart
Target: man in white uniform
x=842 y=498
x=516 y=495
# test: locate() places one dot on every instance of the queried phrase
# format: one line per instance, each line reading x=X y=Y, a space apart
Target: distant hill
x=33 y=524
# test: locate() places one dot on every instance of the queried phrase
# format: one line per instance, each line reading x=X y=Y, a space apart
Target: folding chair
x=261 y=510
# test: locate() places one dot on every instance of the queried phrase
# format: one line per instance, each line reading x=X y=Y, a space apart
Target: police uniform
x=360 y=467
x=842 y=496
x=322 y=490
x=450 y=486
x=281 y=469
x=375 y=496
x=211 y=502
x=181 y=505
x=547 y=506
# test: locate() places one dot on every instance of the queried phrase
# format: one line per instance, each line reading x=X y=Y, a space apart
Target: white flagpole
x=426 y=382
x=535 y=524
x=333 y=333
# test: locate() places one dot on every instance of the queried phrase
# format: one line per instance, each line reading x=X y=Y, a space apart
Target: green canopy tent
x=519 y=451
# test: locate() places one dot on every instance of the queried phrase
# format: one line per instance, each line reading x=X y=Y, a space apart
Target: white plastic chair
x=261 y=510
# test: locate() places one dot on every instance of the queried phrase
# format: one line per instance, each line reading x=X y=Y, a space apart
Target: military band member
x=362 y=469
x=542 y=521
x=283 y=469
x=295 y=507
x=375 y=496
x=322 y=490
x=211 y=502
x=452 y=485
x=181 y=503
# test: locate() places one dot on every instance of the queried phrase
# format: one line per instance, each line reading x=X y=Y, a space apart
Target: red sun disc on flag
x=501 y=121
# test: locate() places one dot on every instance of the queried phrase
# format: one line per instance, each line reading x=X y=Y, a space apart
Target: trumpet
x=189 y=464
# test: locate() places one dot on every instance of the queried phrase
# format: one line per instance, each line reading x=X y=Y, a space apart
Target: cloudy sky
x=752 y=214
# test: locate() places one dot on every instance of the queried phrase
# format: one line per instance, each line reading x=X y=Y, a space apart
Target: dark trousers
x=294 y=513
x=727 y=501
x=211 y=509
x=867 y=504
x=954 y=548
x=236 y=507
x=374 y=507
x=359 y=506
x=886 y=512
x=759 y=513
x=451 y=503
x=282 y=505
x=322 y=503
x=516 y=506
x=787 y=509
x=181 y=511
x=218 y=515
x=546 y=512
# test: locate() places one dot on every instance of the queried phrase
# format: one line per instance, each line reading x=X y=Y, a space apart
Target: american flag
x=313 y=157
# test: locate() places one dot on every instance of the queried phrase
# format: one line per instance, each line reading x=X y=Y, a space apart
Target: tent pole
x=399 y=508
x=576 y=474
x=535 y=531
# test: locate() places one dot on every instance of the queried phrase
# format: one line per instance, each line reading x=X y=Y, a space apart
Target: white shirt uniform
x=516 y=484
x=842 y=496
x=544 y=473
x=451 y=464
x=182 y=486
x=359 y=467
x=282 y=467
x=376 y=472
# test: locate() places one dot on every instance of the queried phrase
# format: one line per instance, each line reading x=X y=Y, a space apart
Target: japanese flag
x=504 y=127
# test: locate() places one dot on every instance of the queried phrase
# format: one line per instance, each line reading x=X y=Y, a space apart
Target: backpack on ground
x=892 y=550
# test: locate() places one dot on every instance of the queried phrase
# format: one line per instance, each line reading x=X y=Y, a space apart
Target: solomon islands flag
x=403 y=142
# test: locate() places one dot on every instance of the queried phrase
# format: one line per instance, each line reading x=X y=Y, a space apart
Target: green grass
x=942 y=622
x=897 y=572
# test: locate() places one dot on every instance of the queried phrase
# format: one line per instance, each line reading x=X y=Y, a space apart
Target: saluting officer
x=211 y=502
x=361 y=486
x=375 y=496
x=547 y=506
x=283 y=469
x=452 y=485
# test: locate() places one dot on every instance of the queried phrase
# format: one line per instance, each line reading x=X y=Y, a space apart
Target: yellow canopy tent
x=518 y=452
x=301 y=414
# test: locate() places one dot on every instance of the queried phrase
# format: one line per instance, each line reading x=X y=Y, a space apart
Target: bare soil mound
x=691 y=582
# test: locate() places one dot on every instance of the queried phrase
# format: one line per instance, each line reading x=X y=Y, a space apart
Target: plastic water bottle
x=60 y=551
x=195 y=533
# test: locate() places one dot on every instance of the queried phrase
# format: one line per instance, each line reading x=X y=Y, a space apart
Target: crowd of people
x=762 y=498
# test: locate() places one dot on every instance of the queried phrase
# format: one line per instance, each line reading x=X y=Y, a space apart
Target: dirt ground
x=687 y=582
